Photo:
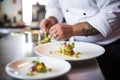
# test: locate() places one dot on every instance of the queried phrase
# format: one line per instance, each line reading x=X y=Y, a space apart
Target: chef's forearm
x=84 y=29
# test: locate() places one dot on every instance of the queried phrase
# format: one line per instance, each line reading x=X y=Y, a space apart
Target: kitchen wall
x=12 y=8
x=21 y=11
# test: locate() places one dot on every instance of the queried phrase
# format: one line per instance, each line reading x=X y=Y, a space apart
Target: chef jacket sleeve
x=108 y=17
x=53 y=9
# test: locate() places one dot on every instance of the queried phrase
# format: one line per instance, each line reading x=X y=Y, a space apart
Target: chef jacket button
x=84 y=13
x=67 y=10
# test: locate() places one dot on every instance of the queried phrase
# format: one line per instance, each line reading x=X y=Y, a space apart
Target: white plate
x=88 y=50
x=19 y=68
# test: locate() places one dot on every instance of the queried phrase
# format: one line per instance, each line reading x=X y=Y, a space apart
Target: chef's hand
x=46 y=24
x=61 y=31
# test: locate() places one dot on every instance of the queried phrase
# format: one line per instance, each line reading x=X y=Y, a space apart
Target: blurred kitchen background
x=21 y=16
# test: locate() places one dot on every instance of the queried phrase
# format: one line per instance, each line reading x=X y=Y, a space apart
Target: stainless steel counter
x=6 y=31
x=14 y=46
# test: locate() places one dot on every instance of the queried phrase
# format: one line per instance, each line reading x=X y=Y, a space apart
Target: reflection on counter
x=31 y=34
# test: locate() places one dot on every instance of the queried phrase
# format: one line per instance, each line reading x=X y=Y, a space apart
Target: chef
x=95 y=21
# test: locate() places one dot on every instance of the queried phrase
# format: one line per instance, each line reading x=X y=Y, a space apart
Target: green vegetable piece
x=46 y=37
x=46 y=34
x=78 y=53
x=72 y=45
x=44 y=70
x=35 y=62
x=60 y=50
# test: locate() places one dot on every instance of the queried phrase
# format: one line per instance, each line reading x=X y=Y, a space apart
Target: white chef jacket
x=103 y=15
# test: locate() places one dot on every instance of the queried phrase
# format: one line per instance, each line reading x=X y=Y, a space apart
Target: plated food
x=37 y=68
x=46 y=38
x=67 y=49
x=79 y=51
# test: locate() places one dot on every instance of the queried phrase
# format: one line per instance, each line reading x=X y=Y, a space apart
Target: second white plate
x=88 y=50
x=19 y=68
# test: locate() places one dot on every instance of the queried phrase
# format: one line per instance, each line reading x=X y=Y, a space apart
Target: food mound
x=37 y=67
x=46 y=38
x=68 y=50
